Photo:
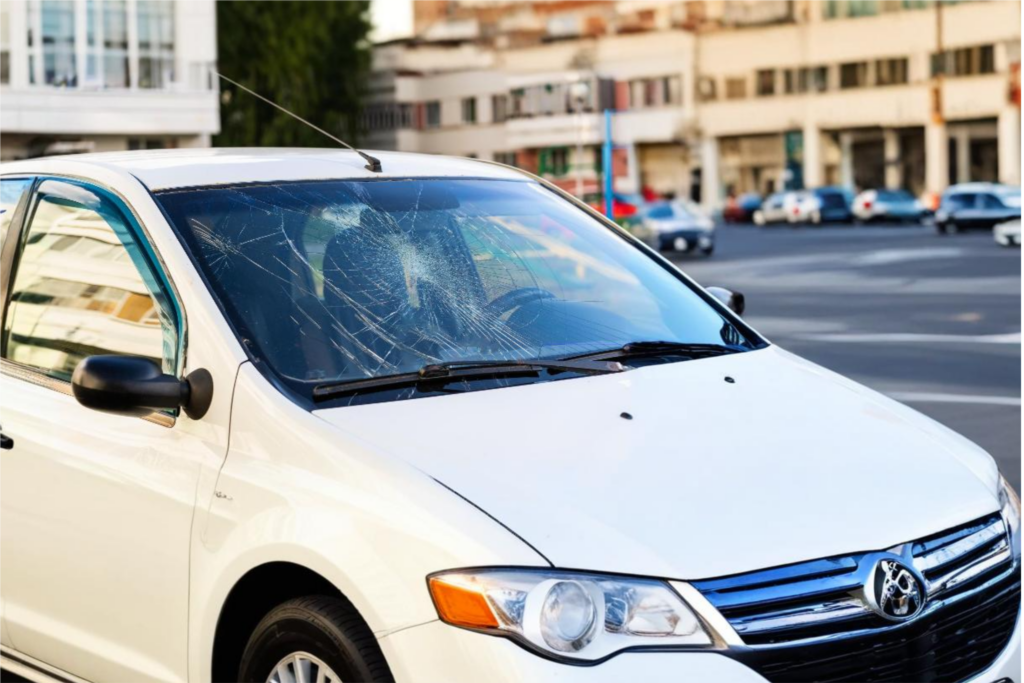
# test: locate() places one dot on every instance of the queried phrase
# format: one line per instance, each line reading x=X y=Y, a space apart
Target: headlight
x=1009 y=502
x=567 y=614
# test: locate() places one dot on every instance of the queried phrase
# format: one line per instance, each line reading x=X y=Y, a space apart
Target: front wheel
x=317 y=639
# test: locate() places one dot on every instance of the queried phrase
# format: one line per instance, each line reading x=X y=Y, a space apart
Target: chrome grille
x=824 y=599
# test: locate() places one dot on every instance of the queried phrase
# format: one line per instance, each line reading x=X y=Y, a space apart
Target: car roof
x=980 y=187
x=168 y=169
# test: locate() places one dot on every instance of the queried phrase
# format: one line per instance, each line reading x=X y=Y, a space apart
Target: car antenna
x=372 y=163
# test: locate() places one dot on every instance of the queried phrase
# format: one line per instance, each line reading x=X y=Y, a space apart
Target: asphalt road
x=931 y=321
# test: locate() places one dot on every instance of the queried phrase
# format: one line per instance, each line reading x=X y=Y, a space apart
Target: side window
x=990 y=202
x=83 y=285
x=10 y=194
x=958 y=202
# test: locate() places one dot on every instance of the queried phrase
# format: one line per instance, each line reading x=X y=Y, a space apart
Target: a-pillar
x=812 y=155
x=936 y=157
x=710 y=189
x=1009 y=146
x=893 y=159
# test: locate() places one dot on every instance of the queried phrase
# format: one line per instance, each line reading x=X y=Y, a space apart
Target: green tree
x=310 y=57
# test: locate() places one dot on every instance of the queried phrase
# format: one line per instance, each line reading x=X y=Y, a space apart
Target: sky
x=391 y=19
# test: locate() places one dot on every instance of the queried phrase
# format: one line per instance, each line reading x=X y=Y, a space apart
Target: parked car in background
x=888 y=205
x=977 y=206
x=775 y=208
x=821 y=205
x=281 y=415
x=1008 y=233
x=741 y=209
x=678 y=226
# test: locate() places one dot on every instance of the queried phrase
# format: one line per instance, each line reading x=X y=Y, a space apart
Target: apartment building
x=541 y=106
x=864 y=94
x=98 y=75
x=713 y=97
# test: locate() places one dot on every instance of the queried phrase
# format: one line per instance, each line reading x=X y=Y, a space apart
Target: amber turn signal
x=461 y=605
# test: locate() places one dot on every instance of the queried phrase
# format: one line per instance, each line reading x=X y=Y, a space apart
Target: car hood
x=706 y=477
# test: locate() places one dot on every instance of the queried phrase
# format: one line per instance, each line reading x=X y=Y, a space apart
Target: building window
x=507 y=158
x=735 y=88
x=862 y=8
x=818 y=79
x=433 y=114
x=106 y=38
x=499 y=108
x=853 y=75
x=765 y=82
x=554 y=161
x=965 y=61
x=987 y=59
x=5 y=43
x=156 y=43
x=891 y=71
x=648 y=93
x=469 y=110
x=707 y=88
x=56 y=24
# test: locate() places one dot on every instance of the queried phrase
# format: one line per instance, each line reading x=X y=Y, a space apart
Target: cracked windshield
x=336 y=281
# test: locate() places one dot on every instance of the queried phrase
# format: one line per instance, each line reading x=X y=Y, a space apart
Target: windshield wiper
x=639 y=349
x=442 y=373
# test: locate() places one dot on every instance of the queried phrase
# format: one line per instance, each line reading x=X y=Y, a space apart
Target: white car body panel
x=680 y=490
x=1007 y=234
x=367 y=521
x=374 y=498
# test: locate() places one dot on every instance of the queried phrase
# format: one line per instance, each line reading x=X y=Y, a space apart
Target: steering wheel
x=515 y=298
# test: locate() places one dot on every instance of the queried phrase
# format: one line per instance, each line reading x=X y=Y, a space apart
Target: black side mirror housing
x=133 y=385
x=736 y=302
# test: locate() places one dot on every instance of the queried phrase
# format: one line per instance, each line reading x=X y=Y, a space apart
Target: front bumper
x=438 y=652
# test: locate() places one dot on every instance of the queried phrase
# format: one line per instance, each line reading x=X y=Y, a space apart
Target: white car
x=776 y=208
x=273 y=416
x=1007 y=234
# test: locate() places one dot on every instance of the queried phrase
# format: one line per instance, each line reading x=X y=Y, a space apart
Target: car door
x=14 y=194
x=96 y=508
x=993 y=210
x=964 y=209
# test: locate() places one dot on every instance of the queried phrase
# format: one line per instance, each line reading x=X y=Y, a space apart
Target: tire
x=942 y=228
x=328 y=628
x=708 y=251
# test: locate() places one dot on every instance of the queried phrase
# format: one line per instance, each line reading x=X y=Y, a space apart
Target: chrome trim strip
x=805 y=615
x=999 y=555
x=32 y=376
x=711 y=617
x=957 y=549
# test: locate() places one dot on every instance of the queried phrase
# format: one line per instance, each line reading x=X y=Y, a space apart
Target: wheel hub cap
x=302 y=667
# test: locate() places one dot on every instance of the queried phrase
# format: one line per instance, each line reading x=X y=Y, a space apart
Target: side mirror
x=736 y=302
x=132 y=385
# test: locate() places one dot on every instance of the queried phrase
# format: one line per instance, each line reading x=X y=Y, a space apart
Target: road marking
x=901 y=337
x=890 y=256
x=924 y=397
